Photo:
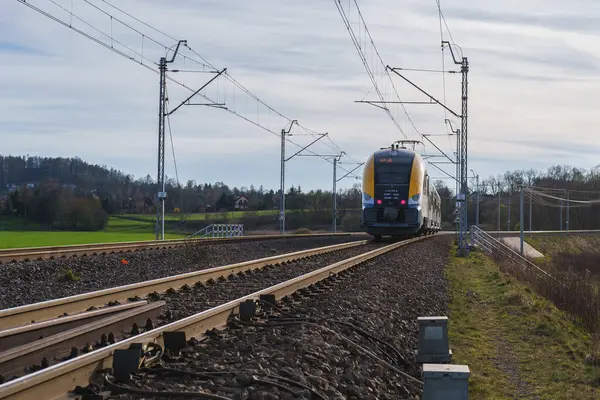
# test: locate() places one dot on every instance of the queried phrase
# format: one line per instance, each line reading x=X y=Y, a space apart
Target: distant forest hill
x=69 y=193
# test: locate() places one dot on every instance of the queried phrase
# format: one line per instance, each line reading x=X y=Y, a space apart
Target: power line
x=359 y=48
x=443 y=18
x=110 y=42
x=168 y=115
x=440 y=14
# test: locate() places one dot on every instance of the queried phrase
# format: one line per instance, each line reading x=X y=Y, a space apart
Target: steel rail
x=22 y=334
x=37 y=253
x=14 y=361
x=49 y=252
x=56 y=381
x=22 y=315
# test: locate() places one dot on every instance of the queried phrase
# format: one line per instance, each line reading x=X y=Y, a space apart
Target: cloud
x=532 y=94
x=9 y=47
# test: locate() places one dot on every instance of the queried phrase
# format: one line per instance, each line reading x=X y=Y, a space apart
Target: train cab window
x=392 y=174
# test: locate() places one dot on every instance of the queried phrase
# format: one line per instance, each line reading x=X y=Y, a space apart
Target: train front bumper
x=386 y=228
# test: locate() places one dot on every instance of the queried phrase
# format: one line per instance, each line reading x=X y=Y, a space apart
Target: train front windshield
x=392 y=174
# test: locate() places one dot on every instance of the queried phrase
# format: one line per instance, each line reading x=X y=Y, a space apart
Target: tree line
x=572 y=185
x=69 y=193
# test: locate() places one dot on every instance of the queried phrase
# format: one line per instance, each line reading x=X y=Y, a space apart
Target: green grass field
x=13 y=233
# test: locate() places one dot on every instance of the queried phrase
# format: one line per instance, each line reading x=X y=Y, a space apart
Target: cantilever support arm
x=307 y=146
x=351 y=171
x=295 y=121
x=444 y=172
x=422 y=91
x=179 y=43
x=198 y=91
x=445 y=42
x=438 y=149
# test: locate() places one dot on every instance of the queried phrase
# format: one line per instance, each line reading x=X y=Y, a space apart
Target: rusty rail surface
x=57 y=380
x=49 y=252
x=46 y=310
x=42 y=348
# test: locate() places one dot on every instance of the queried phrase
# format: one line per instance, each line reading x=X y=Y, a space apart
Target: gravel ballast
x=192 y=300
x=332 y=357
x=33 y=281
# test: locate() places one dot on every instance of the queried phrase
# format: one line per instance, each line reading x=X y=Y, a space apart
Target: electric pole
x=521 y=221
x=462 y=150
x=476 y=206
x=282 y=180
x=561 y=207
x=508 y=218
x=162 y=114
x=335 y=187
x=162 y=195
x=567 y=213
x=530 y=211
x=336 y=160
x=461 y=145
x=334 y=199
x=285 y=133
x=498 y=213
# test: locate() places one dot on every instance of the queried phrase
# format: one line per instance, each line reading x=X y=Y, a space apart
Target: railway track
x=22 y=353
x=54 y=381
x=51 y=252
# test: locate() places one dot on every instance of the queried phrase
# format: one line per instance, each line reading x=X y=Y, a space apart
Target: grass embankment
x=579 y=253
x=517 y=344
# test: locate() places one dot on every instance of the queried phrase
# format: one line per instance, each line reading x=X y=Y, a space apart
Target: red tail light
x=403 y=202
x=378 y=201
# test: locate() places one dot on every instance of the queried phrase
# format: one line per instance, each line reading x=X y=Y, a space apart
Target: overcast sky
x=533 y=87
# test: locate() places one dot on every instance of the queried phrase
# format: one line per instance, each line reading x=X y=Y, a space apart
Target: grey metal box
x=433 y=340
x=446 y=382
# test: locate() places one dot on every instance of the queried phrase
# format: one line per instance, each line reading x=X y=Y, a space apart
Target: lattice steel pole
x=334 y=197
x=530 y=211
x=334 y=200
x=160 y=218
x=285 y=133
x=161 y=196
x=567 y=212
x=282 y=186
x=508 y=217
x=498 y=212
x=462 y=142
x=521 y=220
x=461 y=146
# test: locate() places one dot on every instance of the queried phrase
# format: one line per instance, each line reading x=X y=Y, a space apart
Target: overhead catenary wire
x=248 y=92
x=359 y=48
x=440 y=15
x=112 y=43
x=168 y=117
x=542 y=194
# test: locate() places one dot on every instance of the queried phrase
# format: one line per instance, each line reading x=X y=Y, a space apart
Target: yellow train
x=398 y=198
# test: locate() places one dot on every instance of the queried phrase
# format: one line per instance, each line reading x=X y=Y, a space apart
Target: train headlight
x=416 y=197
x=367 y=197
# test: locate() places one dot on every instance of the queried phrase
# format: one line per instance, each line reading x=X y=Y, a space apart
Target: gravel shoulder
x=35 y=281
x=332 y=357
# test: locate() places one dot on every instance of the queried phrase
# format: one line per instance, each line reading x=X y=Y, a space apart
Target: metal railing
x=220 y=230
x=496 y=248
